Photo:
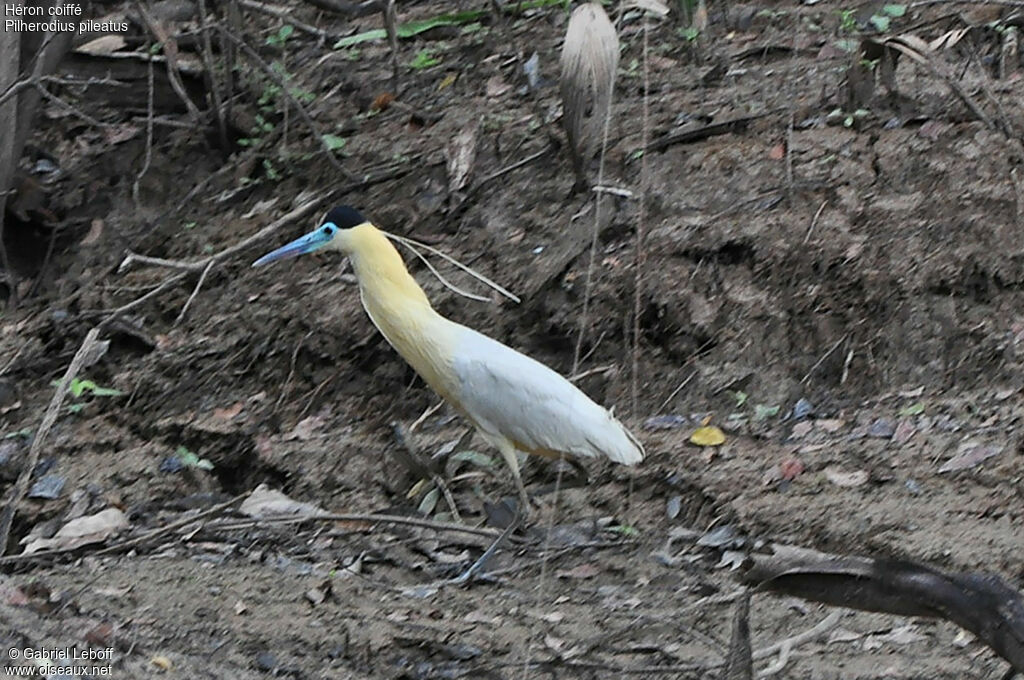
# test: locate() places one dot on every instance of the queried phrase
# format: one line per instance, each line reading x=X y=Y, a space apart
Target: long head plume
x=590 y=59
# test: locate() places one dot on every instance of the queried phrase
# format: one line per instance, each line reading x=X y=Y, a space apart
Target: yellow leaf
x=448 y=81
x=162 y=662
x=708 y=435
x=417 y=488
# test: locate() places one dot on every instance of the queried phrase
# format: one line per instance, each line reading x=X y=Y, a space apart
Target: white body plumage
x=509 y=395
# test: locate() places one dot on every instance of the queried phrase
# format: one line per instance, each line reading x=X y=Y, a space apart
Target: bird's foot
x=474 y=569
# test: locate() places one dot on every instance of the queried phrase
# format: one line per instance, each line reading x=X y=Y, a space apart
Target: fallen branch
x=134 y=542
x=49 y=418
x=170 y=50
x=370 y=519
x=980 y=603
x=735 y=125
x=351 y=9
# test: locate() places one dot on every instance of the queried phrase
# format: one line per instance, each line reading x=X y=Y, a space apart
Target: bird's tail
x=627 y=450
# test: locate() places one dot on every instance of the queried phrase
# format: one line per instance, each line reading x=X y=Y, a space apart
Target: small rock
x=802 y=409
x=47 y=488
x=882 y=428
x=674 y=505
x=667 y=422
x=722 y=537
x=171 y=464
x=904 y=431
x=44 y=466
x=801 y=429
x=266 y=661
x=830 y=425
x=913 y=487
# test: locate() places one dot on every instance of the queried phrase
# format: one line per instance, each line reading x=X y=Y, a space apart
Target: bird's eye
x=327 y=230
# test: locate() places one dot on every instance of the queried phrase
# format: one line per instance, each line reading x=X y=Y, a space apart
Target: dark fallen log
x=121 y=82
x=348 y=8
x=981 y=603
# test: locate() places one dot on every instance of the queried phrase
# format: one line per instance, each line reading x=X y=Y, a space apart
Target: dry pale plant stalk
x=590 y=59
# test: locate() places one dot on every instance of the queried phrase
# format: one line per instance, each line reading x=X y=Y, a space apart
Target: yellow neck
x=400 y=310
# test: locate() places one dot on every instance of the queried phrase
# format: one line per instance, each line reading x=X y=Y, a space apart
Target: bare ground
x=873 y=271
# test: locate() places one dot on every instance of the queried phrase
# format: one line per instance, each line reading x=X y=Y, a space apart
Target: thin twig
x=515 y=166
x=809 y=635
x=291 y=372
x=134 y=542
x=391 y=26
x=50 y=97
x=419 y=421
x=823 y=357
x=638 y=263
x=590 y=371
x=449 y=499
x=370 y=518
x=814 y=222
x=212 y=82
x=412 y=244
x=149 y=136
x=170 y=50
x=167 y=283
x=195 y=292
x=678 y=389
x=49 y=418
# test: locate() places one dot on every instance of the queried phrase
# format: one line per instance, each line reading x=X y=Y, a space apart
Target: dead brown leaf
x=582 y=571
x=970 y=454
x=845 y=479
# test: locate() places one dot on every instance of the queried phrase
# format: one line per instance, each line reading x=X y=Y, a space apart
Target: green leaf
x=625 y=530
x=894 y=10
x=75 y=408
x=334 y=142
x=429 y=501
x=880 y=22
x=78 y=387
x=914 y=409
x=106 y=392
x=741 y=398
x=690 y=33
x=189 y=459
x=424 y=59
x=761 y=411
x=282 y=35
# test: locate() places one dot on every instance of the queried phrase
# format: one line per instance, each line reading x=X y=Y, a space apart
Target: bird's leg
x=508 y=452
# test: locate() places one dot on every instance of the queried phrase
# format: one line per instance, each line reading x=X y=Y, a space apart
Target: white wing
x=513 y=396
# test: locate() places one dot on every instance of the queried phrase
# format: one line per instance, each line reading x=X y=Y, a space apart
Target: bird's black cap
x=345 y=217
